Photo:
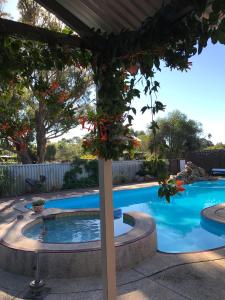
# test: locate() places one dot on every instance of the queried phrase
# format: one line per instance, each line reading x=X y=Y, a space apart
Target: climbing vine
x=174 y=34
x=123 y=56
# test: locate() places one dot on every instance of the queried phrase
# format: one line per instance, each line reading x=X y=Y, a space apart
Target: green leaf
x=168 y=198
x=159 y=106
x=130 y=118
x=133 y=110
x=144 y=108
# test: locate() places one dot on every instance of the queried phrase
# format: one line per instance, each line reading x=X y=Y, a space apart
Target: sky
x=199 y=93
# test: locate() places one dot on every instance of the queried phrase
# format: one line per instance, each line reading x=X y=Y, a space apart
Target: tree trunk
x=41 y=148
x=40 y=133
x=24 y=157
x=22 y=150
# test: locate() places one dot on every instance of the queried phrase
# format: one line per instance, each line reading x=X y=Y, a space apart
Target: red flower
x=126 y=88
x=82 y=121
x=103 y=134
x=133 y=69
x=179 y=182
x=5 y=126
x=86 y=143
x=54 y=85
x=180 y=188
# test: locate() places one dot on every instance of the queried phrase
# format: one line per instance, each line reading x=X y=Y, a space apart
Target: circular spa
x=67 y=242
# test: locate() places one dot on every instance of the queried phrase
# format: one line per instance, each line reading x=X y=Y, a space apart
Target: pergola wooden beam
x=30 y=32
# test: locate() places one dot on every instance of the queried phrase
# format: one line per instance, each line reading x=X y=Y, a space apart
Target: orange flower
x=179 y=182
x=136 y=143
x=54 y=85
x=180 y=188
x=63 y=96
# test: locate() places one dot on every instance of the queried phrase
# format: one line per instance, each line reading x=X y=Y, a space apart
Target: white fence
x=54 y=174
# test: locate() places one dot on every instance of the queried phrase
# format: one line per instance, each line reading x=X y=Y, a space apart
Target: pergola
x=110 y=17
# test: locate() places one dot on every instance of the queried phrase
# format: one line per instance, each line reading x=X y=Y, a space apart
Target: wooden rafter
x=29 y=32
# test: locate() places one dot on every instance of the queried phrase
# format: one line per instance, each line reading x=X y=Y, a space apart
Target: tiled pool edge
x=17 y=253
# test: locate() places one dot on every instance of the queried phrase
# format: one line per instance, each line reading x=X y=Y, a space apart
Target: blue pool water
x=71 y=229
x=179 y=224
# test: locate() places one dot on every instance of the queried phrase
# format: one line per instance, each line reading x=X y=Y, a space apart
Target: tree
x=144 y=137
x=176 y=135
x=3 y=14
x=68 y=149
x=218 y=146
x=205 y=143
x=50 y=152
x=44 y=100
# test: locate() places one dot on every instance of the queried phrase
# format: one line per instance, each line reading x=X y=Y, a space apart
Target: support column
x=107 y=230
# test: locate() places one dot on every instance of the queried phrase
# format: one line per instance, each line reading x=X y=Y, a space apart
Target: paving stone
x=74 y=285
x=147 y=289
x=162 y=261
x=76 y=296
x=198 y=281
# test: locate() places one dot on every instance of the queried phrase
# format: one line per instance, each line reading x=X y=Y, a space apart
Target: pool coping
x=144 y=225
x=211 y=213
x=21 y=205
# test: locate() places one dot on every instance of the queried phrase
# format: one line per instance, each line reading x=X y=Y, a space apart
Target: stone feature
x=192 y=173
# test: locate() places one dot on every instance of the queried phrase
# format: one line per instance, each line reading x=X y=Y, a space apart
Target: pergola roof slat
x=106 y=15
x=66 y=16
x=116 y=22
x=91 y=16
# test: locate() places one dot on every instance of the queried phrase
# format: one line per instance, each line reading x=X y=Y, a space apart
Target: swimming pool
x=180 y=227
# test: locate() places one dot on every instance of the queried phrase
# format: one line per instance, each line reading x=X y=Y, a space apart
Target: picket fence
x=54 y=173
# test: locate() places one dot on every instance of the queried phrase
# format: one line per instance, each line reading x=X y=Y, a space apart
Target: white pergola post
x=107 y=230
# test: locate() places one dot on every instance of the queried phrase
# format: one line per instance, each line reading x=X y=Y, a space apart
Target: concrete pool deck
x=195 y=276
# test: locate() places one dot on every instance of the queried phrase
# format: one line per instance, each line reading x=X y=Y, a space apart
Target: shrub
x=154 y=167
x=120 y=179
x=38 y=202
x=6 y=181
x=73 y=180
